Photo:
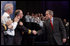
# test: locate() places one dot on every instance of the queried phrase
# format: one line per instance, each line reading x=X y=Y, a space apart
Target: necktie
x=51 y=24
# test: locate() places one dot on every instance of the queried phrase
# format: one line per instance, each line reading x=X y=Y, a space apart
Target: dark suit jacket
x=18 y=33
x=19 y=29
x=58 y=30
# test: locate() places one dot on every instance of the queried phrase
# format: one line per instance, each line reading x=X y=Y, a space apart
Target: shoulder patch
x=21 y=23
x=8 y=17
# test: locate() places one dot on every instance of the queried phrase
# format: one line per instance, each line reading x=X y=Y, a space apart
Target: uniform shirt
x=27 y=18
x=5 y=18
x=32 y=19
x=41 y=23
x=37 y=20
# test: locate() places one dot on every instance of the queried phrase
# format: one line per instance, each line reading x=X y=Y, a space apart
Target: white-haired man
x=9 y=34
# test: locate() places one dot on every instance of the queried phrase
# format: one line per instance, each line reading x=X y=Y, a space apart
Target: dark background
x=60 y=8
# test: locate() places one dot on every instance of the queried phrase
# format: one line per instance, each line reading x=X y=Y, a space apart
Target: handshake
x=34 y=32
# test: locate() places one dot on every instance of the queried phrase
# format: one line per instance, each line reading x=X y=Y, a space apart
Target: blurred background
x=60 y=8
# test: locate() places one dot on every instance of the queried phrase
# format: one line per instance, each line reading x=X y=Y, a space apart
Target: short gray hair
x=50 y=12
x=7 y=6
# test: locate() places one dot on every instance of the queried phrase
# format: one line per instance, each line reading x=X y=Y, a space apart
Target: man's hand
x=46 y=18
x=16 y=19
x=68 y=37
x=22 y=32
x=10 y=27
x=34 y=32
x=9 y=22
x=64 y=40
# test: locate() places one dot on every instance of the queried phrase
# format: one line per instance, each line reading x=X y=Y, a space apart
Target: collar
x=52 y=19
x=6 y=14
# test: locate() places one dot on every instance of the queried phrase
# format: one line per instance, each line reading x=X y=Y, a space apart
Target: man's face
x=47 y=15
x=11 y=10
x=64 y=20
x=21 y=14
x=32 y=14
x=27 y=13
x=39 y=14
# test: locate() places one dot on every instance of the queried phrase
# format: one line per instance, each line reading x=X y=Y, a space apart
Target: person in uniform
x=27 y=19
x=4 y=28
x=10 y=33
x=20 y=29
x=32 y=21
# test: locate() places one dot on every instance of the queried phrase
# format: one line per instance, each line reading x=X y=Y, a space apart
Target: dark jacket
x=18 y=33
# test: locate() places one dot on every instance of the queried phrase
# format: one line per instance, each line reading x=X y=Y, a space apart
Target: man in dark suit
x=55 y=30
x=20 y=29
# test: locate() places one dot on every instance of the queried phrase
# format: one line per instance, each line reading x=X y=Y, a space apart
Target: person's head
x=49 y=14
x=27 y=13
x=19 y=13
x=8 y=8
x=41 y=14
x=32 y=14
x=42 y=18
x=64 y=20
x=36 y=14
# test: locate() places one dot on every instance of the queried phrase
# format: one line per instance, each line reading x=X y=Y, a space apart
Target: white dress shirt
x=6 y=18
x=52 y=20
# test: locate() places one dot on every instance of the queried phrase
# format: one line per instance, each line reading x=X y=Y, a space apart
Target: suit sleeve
x=42 y=30
x=67 y=29
x=4 y=27
x=62 y=29
x=24 y=29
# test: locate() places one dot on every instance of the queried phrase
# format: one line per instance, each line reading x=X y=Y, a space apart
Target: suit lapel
x=49 y=25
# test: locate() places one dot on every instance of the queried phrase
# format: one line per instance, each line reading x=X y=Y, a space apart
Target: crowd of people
x=36 y=18
x=13 y=30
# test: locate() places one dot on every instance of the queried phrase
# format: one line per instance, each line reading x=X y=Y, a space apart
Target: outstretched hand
x=34 y=32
